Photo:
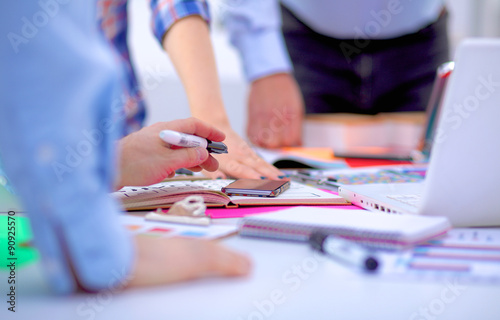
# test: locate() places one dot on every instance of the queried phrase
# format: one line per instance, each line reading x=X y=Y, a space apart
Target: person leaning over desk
x=356 y=56
x=181 y=27
x=56 y=89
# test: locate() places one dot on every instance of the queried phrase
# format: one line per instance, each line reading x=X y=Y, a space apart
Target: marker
x=316 y=178
x=343 y=250
x=189 y=141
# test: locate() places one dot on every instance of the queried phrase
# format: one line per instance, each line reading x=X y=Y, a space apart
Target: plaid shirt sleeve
x=166 y=12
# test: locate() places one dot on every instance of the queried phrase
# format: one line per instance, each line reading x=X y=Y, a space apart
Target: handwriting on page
x=160 y=190
x=165 y=190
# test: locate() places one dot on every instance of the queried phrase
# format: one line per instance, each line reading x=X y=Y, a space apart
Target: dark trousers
x=365 y=76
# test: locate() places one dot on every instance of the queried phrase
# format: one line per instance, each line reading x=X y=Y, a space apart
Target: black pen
x=189 y=141
x=343 y=250
x=317 y=179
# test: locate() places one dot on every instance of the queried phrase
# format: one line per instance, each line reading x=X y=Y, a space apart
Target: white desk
x=320 y=290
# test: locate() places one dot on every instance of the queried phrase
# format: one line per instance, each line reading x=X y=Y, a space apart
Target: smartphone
x=256 y=188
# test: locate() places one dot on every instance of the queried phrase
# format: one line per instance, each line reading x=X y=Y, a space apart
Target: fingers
x=217 y=174
x=271 y=135
x=195 y=127
x=249 y=168
x=263 y=136
x=265 y=169
x=292 y=133
x=249 y=158
x=275 y=112
x=194 y=159
x=258 y=130
x=211 y=164
x=195 y=169
x=146 y=159
x=164 y=261
x=241 y=162
x=223 y=262
x=188 y=158
x=236 y=169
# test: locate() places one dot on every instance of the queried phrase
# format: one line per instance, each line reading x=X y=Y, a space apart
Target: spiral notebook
x=370 y=228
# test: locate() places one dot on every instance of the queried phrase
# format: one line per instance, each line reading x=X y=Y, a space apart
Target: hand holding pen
x=185 y=140
x=146 y=159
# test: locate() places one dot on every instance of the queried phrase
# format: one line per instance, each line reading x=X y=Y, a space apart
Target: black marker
x=343 y=250
x=189 y=141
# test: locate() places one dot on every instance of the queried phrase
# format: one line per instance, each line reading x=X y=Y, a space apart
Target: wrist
x=211 y=113
x=273 y=76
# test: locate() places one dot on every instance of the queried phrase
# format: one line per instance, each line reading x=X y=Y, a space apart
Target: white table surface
x=289 y=281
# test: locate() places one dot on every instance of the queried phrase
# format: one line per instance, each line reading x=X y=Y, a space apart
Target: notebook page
x=296 y=191
x=165 y=193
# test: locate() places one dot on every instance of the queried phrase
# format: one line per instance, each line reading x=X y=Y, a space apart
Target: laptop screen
x=434 y=106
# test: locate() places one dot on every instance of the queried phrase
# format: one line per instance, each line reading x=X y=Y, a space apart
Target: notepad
x=372 y=229
x=163 y=195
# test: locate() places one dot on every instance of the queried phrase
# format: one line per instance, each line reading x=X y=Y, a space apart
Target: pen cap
x=316 y=240
x=371 y=264
x=216 y=147
x=354 y=254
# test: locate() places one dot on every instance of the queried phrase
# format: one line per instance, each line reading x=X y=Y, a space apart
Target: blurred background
x=164 y=93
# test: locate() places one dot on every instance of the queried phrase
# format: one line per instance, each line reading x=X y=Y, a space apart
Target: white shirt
x=254 y=25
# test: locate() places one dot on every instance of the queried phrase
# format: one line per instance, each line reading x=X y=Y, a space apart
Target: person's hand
x=241 y=161
x=145 y=159
x=169 y=260
x=275 y=112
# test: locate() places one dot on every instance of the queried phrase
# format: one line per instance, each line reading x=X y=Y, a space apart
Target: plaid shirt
x=112 y=15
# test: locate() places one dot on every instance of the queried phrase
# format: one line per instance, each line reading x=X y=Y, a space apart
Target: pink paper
x=220 y=213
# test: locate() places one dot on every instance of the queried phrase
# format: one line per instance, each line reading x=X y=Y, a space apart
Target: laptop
x=464 y=172
x=405 y=153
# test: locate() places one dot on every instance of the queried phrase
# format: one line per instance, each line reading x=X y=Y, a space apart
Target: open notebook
x=164 y=194
x=301 y=157
x=371 y=229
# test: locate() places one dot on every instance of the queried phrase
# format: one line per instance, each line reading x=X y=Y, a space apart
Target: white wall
x=165 y=95
x=473 y=18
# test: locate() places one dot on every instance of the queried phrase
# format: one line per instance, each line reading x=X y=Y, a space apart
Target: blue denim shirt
x=58 y=81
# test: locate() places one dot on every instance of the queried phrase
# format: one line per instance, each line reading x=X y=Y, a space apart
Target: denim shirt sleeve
x=57 y=134
x=166 y=12
x=254 y=27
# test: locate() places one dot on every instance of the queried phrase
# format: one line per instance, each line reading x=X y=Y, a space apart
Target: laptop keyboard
x=410 y=199
x=382 y=176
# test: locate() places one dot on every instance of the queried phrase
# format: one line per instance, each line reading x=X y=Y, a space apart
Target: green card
x=15 y=238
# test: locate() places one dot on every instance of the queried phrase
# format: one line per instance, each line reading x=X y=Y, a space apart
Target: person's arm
x=187 y=40
x=275 y=106
x=55 y=93
x=57 y=144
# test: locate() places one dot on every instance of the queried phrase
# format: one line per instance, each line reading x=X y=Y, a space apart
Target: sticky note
x=133 y=227
x=190 y=233
x=160 y=230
